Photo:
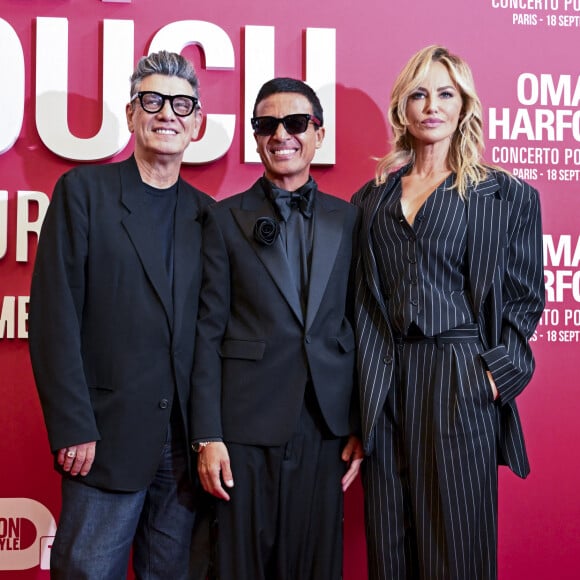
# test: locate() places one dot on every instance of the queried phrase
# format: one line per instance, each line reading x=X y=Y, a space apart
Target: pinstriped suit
x=505 y=282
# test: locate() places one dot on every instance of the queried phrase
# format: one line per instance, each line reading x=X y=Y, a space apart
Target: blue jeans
x=98 y=528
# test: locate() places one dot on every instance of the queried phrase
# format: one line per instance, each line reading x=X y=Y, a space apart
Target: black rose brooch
x=266 y=230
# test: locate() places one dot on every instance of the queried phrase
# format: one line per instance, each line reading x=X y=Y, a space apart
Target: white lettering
x=52 y=93
x=45 y=527
x=571 y=317
x=24 y=224
x=528 y=4
x=219 y=55
x=547 y=91
x=7 y=325
x=530 y=81
x=14 y=317
x=561 y=254
x=559 y=281
x=12 y=65
x=3 y=223
x=525 y=155
x=522 y=125
x=572 y=4
x=496 y=122
x=550 y=316
x=572 y=156
x=320 y=75
x=259 y=66
x=534 y=125
x=52 y=72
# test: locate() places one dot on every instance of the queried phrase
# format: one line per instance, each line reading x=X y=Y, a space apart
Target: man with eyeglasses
x=274 y=364
x=112 y=328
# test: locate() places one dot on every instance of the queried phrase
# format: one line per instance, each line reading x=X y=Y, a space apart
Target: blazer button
x=387 y=360
x=163 y=404
x=308 y=339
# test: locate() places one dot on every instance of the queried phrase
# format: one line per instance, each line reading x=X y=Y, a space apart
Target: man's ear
x=198 y=121
x=129 y=115
x=320 y=132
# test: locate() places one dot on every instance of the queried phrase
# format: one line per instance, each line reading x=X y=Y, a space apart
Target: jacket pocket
x=346 y=342
x=243 y=349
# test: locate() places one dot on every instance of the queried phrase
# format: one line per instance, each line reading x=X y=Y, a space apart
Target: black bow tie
x=285 y=201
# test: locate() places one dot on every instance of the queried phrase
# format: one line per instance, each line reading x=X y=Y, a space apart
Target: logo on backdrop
x=27 y=530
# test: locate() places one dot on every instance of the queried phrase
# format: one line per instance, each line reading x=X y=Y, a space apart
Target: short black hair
x=289 y=85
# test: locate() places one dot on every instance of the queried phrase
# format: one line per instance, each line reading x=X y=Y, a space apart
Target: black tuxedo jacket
x=507 y=290
x=110 y=343
x=255 y=350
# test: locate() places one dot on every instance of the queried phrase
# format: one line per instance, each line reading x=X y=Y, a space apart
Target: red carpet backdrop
x=65 y=66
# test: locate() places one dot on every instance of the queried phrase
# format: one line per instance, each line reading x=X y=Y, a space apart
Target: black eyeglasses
x=152 y=102
x=294 y=124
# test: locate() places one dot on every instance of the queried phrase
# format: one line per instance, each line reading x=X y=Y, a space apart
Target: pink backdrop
x=525 y=63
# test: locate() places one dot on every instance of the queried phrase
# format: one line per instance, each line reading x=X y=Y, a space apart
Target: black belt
x=465 y=333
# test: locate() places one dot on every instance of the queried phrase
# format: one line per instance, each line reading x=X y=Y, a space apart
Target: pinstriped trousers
x=431 y=481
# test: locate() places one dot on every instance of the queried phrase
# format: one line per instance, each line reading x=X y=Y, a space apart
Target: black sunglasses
x=294 y=124
x=153 y=102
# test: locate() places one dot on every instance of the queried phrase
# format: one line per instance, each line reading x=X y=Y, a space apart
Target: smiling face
x=434 y=108
x=162 y=135
x=286 y=157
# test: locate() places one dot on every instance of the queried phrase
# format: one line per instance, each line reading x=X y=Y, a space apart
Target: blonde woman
x=449 y=289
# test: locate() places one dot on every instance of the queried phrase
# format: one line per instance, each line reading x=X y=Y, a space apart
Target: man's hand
x=493 y=386
x=213 y=466
x=77 y=459
x=352 y=454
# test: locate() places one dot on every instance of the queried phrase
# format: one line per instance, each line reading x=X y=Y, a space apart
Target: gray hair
x=164 y=63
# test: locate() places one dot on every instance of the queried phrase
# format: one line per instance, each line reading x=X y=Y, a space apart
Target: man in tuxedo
x=112 y=328
x=274 y=363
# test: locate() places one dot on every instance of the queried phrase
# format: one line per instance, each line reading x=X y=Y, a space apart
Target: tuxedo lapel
x=328 y=232
x=139 y=227
x=487 y=225
x=254 y=206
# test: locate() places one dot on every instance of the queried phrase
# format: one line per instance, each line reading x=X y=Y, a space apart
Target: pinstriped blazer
x=507 y=292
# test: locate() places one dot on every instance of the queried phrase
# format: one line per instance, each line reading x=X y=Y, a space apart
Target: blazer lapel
x=487 y=218
x=328 y=232
x=370 y=205
x=138 y=227
x=273 y=257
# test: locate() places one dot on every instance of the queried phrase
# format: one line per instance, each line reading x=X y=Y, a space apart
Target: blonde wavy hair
x=466 y=149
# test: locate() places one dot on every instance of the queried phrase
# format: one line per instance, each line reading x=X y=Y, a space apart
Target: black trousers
x=431 y=481
x=284 y=519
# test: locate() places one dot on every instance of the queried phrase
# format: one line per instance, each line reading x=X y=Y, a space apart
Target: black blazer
x=109 y=344
x=255 y=351
x=507 y=290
